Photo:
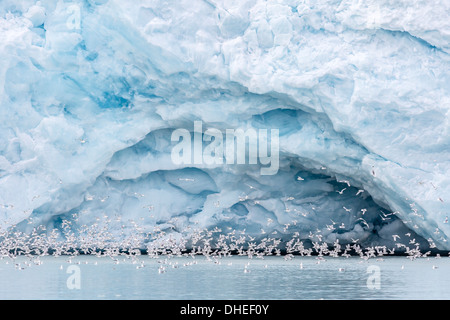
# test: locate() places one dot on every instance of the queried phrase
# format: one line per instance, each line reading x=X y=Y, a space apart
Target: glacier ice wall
x=90 y=92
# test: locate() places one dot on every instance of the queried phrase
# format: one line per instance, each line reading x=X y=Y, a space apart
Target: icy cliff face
x=91 y=92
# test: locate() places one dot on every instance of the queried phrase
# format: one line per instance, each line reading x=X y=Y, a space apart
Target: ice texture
x=90 y=92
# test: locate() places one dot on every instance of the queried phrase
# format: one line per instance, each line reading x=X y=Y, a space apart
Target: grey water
x=185 y=278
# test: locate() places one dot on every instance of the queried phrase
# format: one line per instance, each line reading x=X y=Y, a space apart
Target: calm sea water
x=274 y=278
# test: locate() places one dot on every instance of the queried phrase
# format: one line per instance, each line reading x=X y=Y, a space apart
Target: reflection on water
x=88 y=277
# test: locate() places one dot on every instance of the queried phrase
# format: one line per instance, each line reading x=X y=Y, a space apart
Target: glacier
x=90 y=92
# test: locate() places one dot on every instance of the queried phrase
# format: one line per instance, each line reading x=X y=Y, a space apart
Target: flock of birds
x=214 y=244
x=121 y=242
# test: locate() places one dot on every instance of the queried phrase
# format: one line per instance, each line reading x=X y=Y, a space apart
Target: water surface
x=88 y=277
